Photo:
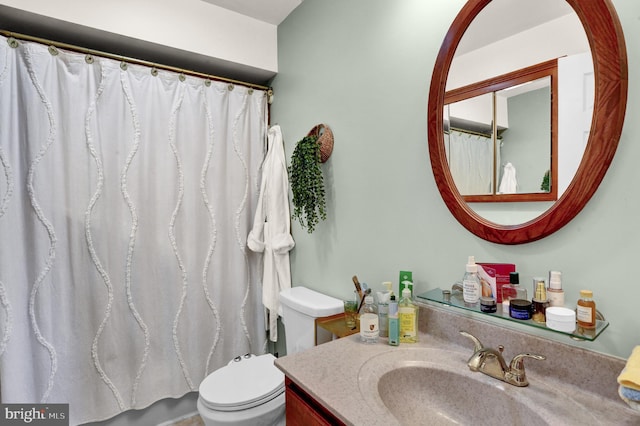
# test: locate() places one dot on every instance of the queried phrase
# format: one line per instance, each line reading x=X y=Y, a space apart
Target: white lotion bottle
x=471 y=283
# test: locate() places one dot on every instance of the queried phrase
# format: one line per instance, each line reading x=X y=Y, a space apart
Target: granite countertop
x=330 y=373
x=342 y=375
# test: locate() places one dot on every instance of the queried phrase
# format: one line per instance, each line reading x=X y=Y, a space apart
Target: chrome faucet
x=491 y=362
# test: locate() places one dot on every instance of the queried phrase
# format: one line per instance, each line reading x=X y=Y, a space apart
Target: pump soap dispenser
x=408 y=318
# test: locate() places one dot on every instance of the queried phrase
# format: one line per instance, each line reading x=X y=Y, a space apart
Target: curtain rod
x=132 y=60
x=470 y=132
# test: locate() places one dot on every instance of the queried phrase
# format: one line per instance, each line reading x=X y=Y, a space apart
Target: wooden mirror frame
x=608 y=51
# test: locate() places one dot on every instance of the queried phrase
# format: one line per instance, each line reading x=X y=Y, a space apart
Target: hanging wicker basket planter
x=305 y=176
x=325 y=139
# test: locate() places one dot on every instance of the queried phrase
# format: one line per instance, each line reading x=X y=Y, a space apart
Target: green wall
x=364 y=68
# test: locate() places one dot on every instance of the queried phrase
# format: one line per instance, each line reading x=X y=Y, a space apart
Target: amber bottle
x=586 y=315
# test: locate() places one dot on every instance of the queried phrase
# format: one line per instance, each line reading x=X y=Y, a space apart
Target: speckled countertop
x=572 y=386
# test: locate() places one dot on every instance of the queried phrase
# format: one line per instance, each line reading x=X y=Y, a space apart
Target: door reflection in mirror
x=526 y=142
x=513 y=120
x=483 y=162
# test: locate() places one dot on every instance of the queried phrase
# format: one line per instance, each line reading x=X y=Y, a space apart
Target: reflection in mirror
x=469 y=144
x=507 y=35
x=501 y=136
x=526 y=142
x=505 y=38
x=494 y=37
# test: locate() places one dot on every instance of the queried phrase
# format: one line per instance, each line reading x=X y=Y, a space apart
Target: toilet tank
x=300 y=307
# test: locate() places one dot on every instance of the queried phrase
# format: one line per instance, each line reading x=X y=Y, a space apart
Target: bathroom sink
x=426 y=395
x=435 y=387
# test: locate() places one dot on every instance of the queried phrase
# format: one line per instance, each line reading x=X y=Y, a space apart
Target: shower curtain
x=126 y=196
x=471 y=162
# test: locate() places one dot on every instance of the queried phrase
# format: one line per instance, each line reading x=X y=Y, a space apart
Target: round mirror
x=533 y=219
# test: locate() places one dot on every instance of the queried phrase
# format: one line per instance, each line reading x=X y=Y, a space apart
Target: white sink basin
x=443 y=397
x=435 y=387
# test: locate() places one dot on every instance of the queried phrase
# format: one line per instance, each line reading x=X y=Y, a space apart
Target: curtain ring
x=154 y=71
x=89 y=58
x=123 y=66
x=250 y=91
x=207 y=82
x=182 y=77
x=230 y=87
x=13 y=42
x=53 y=50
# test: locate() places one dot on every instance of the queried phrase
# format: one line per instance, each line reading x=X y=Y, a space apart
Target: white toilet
x=250 y=389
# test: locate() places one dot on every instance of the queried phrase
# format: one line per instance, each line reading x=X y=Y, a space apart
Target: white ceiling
x=270 y=11
x=503 y=18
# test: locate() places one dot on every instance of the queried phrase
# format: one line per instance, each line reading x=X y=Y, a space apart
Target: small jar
x=488 y=304
x=520 y=309
x=561 y=319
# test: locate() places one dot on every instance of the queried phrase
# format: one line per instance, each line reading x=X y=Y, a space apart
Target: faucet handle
x=517 y=363
x=477 y=344
x=516 y=374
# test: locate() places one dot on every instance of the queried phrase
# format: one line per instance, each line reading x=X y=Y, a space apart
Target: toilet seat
x=244 y=383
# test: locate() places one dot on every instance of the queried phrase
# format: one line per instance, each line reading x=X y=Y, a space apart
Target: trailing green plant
x=307 y=183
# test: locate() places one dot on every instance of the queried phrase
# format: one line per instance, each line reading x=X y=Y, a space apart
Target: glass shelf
x=456 y=301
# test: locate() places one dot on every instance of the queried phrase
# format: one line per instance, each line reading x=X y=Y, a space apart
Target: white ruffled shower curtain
x=471 y=162
x=126 y=196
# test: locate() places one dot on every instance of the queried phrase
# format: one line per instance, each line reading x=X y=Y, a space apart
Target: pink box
x=493 y=276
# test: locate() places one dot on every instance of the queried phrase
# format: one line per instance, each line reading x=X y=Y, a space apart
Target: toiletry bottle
x=586 y=312
x=383 y=309
x=405 y=281
x=513 y=290
x=555 y=293
x=471 y=283
x=369 y=330
x=535 y=282
x=408 y=318
x=394 y=328
x=540 y=302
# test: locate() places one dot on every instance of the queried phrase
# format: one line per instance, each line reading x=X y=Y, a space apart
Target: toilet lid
x=244 y=383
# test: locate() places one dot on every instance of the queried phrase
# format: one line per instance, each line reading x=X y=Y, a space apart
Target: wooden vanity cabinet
x=303 y=410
